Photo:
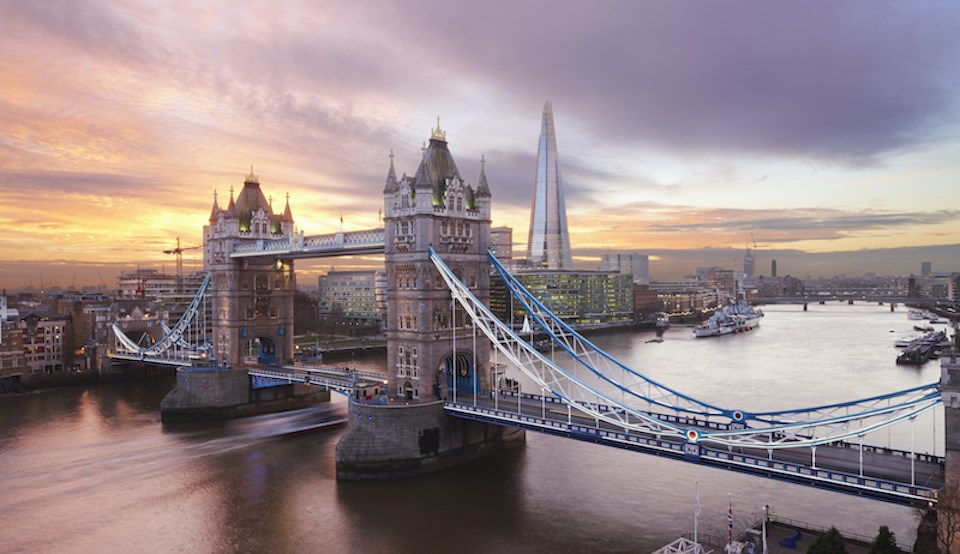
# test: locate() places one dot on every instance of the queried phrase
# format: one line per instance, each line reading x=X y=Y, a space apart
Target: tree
x=885 y=543
x=830 y=542
x=948 y=520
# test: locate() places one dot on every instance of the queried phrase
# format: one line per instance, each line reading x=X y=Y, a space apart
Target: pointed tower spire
x=251 y=177
x=232 y=207
x=549 y=241
x=287 y=216
x=216 y=207
x=482 y=188
x=438 y=134
x=392 y=185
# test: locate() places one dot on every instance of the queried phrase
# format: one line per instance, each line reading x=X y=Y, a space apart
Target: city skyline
x=833 y=144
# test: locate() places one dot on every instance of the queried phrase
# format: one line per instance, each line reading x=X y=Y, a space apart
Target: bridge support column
x=385 y=442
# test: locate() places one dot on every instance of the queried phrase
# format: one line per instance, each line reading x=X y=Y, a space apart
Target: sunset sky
x=830 y=131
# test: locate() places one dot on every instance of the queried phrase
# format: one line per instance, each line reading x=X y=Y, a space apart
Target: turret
x=286 y=219
x=482 y=196
x=391 y=185
x=215 y=212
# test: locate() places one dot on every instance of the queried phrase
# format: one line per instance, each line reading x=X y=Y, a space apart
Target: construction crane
x=178 y=251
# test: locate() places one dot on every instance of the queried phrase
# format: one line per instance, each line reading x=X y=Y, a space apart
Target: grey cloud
x=95 y=27
x=840 y=81
x=835 y=222
x=671 y=264
x=38 y=183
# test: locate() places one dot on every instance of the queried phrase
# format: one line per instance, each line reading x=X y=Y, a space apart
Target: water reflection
x=92 y=469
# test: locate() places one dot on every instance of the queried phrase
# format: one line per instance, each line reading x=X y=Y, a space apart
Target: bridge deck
x=886 y=473
x=342 y=380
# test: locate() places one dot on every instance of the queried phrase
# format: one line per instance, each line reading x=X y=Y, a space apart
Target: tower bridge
x=441 y=403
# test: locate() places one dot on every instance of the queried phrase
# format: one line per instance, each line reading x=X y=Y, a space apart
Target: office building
x=548 y=246
x=357 y=296
x=633 y=264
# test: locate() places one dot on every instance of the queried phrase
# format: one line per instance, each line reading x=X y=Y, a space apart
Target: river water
x=91 y=469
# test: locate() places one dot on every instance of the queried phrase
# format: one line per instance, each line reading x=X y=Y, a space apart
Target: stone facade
x=431 y=351
x=428 y=340
x=251 y=299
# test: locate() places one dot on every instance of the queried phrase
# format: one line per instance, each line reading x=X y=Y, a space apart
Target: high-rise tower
x=549 y=242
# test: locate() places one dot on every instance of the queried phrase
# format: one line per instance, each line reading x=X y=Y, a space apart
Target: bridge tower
x=251 y=299
x=434 y=207
x=431 y=353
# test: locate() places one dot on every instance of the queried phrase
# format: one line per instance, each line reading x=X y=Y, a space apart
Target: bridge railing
x=332 y=242
x=848 y=482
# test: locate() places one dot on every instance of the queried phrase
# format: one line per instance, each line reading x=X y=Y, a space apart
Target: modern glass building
x=634 y=264
x=578 y=297
x=353 y=295
x=548 y=246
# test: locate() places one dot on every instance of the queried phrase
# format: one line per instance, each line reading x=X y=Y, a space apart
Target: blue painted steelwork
x=547 y=321
x=693 y=434
x=882 y=489
x=343 y=381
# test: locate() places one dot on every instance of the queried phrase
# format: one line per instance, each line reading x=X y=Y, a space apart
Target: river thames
x=91 y=469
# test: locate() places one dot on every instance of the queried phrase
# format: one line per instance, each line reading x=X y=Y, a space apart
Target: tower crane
x=178 y=251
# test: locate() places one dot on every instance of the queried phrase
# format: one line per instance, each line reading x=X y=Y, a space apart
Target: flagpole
x=696 y=514
x=766 y=515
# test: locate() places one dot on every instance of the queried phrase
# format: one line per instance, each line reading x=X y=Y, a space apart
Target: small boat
x=904 y=342
x=293 y=422
x=923 y=328
x=916 y=315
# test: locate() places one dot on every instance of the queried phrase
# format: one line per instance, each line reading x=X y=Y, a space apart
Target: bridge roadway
x=884 y=473
x=343 y=380
x=174 y=361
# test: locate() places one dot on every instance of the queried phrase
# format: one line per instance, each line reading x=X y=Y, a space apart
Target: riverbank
x=121 y=373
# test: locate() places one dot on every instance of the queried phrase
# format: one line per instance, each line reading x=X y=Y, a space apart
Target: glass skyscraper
x=549 y=243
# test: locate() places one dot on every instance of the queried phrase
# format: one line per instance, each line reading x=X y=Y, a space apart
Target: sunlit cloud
x=119 y=120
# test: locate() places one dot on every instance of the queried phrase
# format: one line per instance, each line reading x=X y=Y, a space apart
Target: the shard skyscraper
x=549 y=242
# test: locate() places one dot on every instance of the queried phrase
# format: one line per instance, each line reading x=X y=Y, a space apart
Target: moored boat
x=904 y=342
x=730 y=319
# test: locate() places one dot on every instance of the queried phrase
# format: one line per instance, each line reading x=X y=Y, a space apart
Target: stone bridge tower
x=435 y=207
x=431 y=354
x=251 y=299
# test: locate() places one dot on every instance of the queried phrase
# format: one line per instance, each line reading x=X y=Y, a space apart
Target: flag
x=341 y=218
